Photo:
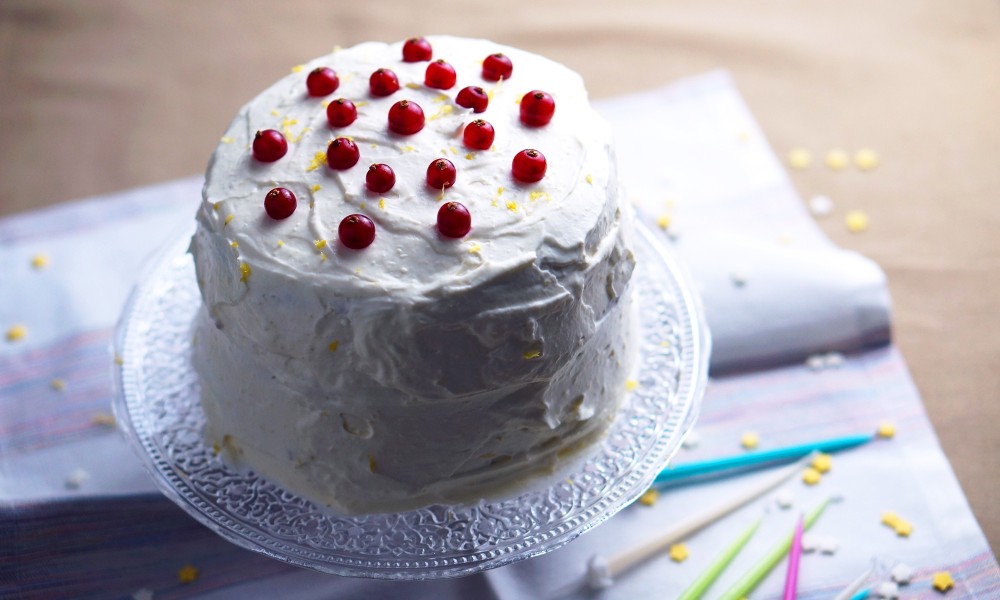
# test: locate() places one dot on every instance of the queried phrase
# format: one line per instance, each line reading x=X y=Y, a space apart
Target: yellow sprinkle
x=337 y=49
x=281 y=243
x=216 y=205
x=103 y=419
x=187 y=574
x=244 y=272
x=216 y=448
x=317 y=161
x=886 y=430
x=811 y=476
x=320 y=244
x=58 y=384
x=441 y=112
x=226 y=139
x=381 y=203
x=322 y=257
x=663 y=221
x=589 y=178
x=890 y=518
x=229 y=218
x=333 y=345
x=315 y=188
x=469 y=156
x=942 y=581
x=298 y=68
x=665 y=343
x=536 y=195
x=409 y=148
x=371 y=463
x=275 y=112
x=750 y=440
x=362 y=206
x=903 y=528
x=631 y=384
x=649 y=497
x=743 y=136
x=360 y=103
x=118 y=359
x=16 y=333
x=325 y=103
x=856 y=221
x=799 y=158
x=475 y=248
x=678 y=552
x=39 y=261
x=837 y=159
x=822 y=463
x=374 y=146
x=234 y=244
x=866 y=159
x=439 y=98
x=414 y=86
x=453 y=150
x=532 y=354
x=516 y=100
x=512 y=206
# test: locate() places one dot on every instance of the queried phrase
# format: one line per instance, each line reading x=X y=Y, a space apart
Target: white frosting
x=421 y=368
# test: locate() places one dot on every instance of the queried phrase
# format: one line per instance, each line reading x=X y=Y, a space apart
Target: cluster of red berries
x=407 y=118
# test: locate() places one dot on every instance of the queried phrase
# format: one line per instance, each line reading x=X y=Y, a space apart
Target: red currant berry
x=342 y=154
x=269 y=145
x=322 y=81
x=383 y=82
x=380 y=178
x=356 y=232
x=537 y=108
x=416 y=49
x=528 y=166
x=341 y=112
x=279 y=203
x=478 y=135
x=441 y=174
x=440 y=75
x=496 y=67
x=473 y=97
x=406 y=118
x=454 y=220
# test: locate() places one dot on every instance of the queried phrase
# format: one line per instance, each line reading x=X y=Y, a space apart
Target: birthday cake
x=415 y=266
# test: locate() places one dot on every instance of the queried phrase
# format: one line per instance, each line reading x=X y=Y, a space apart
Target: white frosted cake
x=385 y=330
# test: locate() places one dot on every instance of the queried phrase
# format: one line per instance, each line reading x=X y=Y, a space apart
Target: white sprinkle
x=739 y=278
x=833 y=360
x=888 y=590
x=692 y=440
x=142 y=594
x=816 y=362
x=828 y=544
x=810 y=542
x=76 y=479
x=784 y=499
x=598 y=573
x=902 y=574
x=821 y=206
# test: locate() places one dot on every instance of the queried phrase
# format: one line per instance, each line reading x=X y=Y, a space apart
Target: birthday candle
x=706 y=579
x=794 y=555
x=752 y=579
x=851 y=591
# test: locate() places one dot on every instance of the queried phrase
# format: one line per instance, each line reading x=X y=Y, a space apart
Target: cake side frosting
x=421 y=367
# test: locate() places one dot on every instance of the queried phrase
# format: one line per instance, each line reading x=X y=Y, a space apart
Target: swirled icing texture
x=421 y=368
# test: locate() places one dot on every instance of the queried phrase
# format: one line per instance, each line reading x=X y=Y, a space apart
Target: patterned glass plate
x=157 y=404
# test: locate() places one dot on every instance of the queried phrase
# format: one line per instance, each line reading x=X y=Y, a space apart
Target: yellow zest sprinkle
x=649 y=497
x=439 y=98
x=663 y=221
x=799 y=158
x=409 y=148
x=837 y=159
x=856 y=221
x=822 y=463
x=244 y=272
x=104 y=419
x=381 y=203
x=475 y=248
x=286 y=128
x=39 y=261
x=678 y=552
x=16 y=333
x=589 y=178
x=810 y=476
x=453 y=150
x=333 y=345
x=360 y=103
x=444 y=110
x=315 y=188
x=631 y=384
x=537 y=194
x=216 y=205
x=229 y=218
x=337 y=49
x=322 y=257
x=216 y=448
x=414 y=86
x=357 y=271
x=516 y=101
x=226 y=139
x=187 y=574
x=325 y=103
x=903 y=528
x=749 y=440
x=532 y=354
x=318 y=159
x=320 y=244
x=785 y=240
x=886 y=430
x=362 y=206
x=890 y=518
x=371 y=463
x=58 y=384
x=118 y=359
x=743 y=135
x=234 y=244
x=281 y=243
x=665 y=344
x=275 y=112
x=298 y=68
x=866 y=159
x=469 y=156
x=942 y=581
x=512 y=206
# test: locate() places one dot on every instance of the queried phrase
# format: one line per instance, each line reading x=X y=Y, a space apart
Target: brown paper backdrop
x=99 y=96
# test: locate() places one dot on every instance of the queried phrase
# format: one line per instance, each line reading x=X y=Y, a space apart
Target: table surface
x=106 y=95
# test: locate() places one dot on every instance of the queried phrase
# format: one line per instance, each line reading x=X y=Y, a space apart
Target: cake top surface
x=555 y=220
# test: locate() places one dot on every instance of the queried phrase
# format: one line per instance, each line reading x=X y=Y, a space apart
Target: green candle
x=759 y=571
x=701 y=584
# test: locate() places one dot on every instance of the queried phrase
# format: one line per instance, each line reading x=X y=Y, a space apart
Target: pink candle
x=792 y=577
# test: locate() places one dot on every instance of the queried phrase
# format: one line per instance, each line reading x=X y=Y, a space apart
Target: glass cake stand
x=157 y=405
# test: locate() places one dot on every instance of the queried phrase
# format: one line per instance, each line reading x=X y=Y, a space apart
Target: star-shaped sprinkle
x=903 y=528
x=104 y=419
x=943 y=581
x=856 y=221
x=822 y=463
x=887 y=590
x=837 y=159
x=866 y=159
x=833 y=360
x=142 y=594
x=811 y=476
x=820 y=206
x=902 y=574
x=16 y=333
x=76 y=479
x=57 y=384
x=738 y=278
x=589 y=178
x=749 y=440
x=663 y=221
x=889 y=518
x=784 y=499
x=187 y=574
x=631 y=384
x=886 y=430
x=799 y=158
x=692 y=439
x=678 y=553
x=816 y=362
x=649 y=497
x=39 y=261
